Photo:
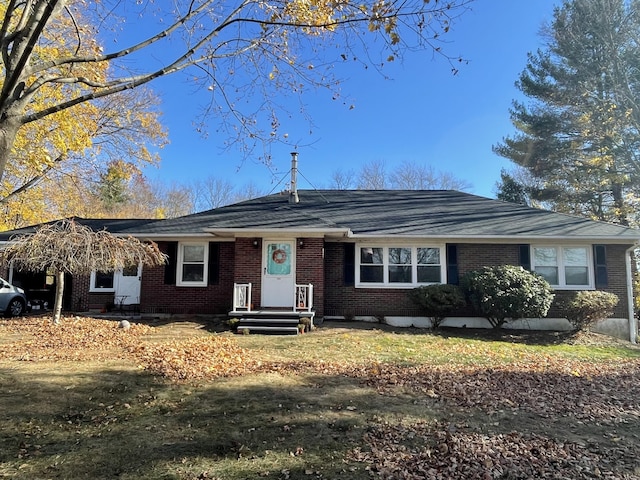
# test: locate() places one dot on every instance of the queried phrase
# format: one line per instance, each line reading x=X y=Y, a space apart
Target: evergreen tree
x=112 y=187
x=579 y=135
x=511 y=190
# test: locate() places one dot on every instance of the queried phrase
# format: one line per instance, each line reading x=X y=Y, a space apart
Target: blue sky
x=423 y=114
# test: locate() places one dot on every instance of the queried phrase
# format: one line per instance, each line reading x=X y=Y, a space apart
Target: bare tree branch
x=68 y=247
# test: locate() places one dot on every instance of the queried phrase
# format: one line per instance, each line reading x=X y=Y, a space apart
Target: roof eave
x=612 y=239
x=293 y=231
x=623 y=240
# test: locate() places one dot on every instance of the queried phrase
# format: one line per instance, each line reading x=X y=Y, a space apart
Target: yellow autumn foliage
x=40 y=144
x=316 y=16
x=55 y=139
x=314 y=13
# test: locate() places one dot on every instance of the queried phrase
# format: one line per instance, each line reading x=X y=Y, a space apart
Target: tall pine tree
x=578 y=137
x=511 y=190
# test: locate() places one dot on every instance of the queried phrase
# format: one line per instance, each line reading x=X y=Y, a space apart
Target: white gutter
x=633 y=322
x=253 y=232
x=613 y=240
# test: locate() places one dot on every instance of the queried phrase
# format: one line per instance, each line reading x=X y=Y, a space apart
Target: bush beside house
x=505 y=293
x=588 y=306
x=437 y=301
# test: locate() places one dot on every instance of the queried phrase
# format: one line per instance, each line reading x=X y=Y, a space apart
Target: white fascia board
x=169 y=237
x=261 y=232
x=338 y=234
x=503 y=238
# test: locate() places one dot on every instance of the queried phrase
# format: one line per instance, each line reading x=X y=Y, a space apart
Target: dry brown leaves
x=553 y=389
x=447 y=451
x=583 y=390
x=546 y=388
x=80 y=338
x=75 y=338
x=193 y=359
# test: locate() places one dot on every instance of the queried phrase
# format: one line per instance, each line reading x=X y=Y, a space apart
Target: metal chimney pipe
x=293 y=194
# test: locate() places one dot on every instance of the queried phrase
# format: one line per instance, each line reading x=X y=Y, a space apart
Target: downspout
x=633 y=322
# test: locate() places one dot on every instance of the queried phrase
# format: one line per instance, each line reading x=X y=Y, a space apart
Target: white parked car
x=13 y=301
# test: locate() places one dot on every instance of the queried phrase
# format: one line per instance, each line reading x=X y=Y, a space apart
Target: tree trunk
x=8 y=130
x=57 y=307
x=620 y=205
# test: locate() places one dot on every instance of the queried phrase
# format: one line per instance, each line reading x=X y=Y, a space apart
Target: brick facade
x=348 y=301
x=248 y=264
x=310 y=268
x=156 y=296
x=240 y=262
x=322 y=265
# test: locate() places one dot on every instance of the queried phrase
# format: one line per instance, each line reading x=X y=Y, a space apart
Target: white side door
x=127 y=285
x=278 y=273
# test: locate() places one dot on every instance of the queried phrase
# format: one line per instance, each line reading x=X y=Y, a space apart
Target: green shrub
x=233 y=323
x=437 y=301
x=588 y=306
x=306 y=323
x=505 y=293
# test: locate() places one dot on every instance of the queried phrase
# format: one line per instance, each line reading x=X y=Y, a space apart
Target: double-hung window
x=429 y=269
x=564 y=267
x=192 y=262
x=102 y=281
x=399 y=266
x=372 y=265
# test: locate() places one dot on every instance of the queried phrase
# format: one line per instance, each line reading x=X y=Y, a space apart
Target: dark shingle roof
x=424 y=213
x=115 y=226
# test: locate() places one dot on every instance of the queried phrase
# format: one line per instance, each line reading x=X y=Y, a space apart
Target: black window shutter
x=349 y=264
x=452 y=264
x=600 y=261
x=170 y=266
x=525 y=256
x=214 y=263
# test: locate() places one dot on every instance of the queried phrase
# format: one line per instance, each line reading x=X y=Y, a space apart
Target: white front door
x=127 y=285
x=278 y=273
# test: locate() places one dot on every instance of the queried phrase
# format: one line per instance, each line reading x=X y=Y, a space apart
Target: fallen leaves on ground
x=423 y=451
x=602 y=391
x=193 y=359
x=547 y=388
x=74 y=338
x=81 y=338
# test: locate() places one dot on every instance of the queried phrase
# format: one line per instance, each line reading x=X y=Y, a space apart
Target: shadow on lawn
x=528 y=337
x=217 y=324
x=127 y=424
x=78 y=424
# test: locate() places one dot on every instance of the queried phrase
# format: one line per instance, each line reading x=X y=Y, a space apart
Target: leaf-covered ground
x=537 y=415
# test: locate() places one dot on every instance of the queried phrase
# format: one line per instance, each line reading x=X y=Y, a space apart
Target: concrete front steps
x=268 y=322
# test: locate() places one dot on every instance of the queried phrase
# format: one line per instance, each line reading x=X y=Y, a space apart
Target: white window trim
x=179 y=281
x=385 y=264
x=561 y=270
x=94 y=289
